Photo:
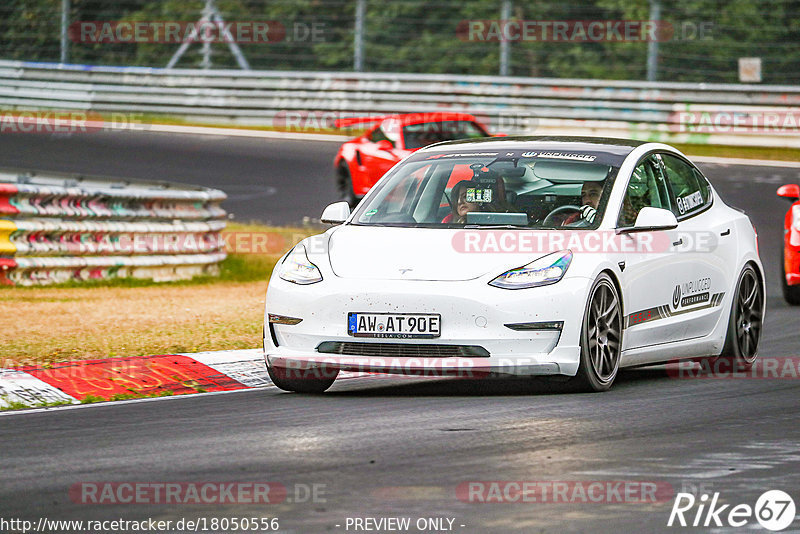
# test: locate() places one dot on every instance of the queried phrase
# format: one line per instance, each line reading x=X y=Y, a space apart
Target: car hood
x=369 y=252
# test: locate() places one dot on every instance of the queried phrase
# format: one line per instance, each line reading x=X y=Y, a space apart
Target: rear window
x=378 y=135
x=427 y=133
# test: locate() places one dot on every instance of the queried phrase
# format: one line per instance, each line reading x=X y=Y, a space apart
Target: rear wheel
x=745 y=322
x=344 y=185
x=601 y=337
x=790 y=293
x=302 y=380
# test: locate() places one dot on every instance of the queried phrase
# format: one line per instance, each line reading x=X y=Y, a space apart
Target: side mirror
x=386 y=145
x=790 y=191
x=336 y=213
x=651 y=219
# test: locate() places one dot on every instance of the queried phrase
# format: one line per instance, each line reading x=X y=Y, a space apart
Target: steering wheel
x=548 y=221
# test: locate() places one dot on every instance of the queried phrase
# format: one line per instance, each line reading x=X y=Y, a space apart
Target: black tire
x=745 y=321
x=344 y=185
x=601 y=337
x=302 y=380
x=791 y=294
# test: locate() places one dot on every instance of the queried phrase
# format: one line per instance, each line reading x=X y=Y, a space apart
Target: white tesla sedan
x=519 y=257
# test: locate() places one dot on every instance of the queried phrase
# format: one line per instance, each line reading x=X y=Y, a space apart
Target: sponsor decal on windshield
x=467 y=155
x=560 y=155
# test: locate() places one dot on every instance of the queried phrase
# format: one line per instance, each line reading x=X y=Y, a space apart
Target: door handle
x=726 y=232
x=678 y=242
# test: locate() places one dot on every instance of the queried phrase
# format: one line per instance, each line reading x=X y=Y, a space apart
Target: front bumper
x=472 y=313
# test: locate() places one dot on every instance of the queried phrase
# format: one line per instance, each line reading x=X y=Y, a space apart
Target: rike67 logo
x=774 y=510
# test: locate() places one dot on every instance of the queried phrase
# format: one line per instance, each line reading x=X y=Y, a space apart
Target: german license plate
x=394 y=325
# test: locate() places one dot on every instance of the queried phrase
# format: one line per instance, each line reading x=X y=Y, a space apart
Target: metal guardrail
x=55 y=228
x=656 y=111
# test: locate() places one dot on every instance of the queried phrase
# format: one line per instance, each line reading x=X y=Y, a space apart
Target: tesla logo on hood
x=676 y=297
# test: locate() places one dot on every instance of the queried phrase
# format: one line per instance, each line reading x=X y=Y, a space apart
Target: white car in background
x=520 y=257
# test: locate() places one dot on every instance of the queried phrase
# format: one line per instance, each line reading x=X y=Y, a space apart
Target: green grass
x=92 y=399
x=744 y=152
x=15 y=405
x=88 y=399
x=149 y=118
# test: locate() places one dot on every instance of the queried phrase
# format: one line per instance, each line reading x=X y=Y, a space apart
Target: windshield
x=426 y=133
x=463 y=190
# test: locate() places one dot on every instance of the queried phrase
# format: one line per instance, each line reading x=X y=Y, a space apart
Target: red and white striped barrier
x=56 y=228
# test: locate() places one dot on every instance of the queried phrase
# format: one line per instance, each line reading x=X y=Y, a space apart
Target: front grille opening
x=402 y=350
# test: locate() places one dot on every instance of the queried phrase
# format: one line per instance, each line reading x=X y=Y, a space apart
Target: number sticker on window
x=479 y=195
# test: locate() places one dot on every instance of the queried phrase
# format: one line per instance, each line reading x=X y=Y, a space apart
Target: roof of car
x=436 y=116
x=407 y=118
x=621 y=147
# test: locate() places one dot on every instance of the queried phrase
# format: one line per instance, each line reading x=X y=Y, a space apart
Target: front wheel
x=601 y=337
x=745 y=321
x=302 y=380
x=344 y=184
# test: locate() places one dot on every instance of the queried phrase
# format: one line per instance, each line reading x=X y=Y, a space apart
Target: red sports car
x=360 y=162
x=791 y=245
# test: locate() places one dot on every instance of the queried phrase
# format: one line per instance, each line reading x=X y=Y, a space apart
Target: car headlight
x=544 y=271
x=298 y=269
x=796 y=217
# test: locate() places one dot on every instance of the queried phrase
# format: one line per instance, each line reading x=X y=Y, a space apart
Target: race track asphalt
x=401 y=447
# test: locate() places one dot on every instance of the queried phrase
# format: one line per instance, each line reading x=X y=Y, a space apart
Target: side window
x=645 y=189
x=689 y=190
x=378 y=135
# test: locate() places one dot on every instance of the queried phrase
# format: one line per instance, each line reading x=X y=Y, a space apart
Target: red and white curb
x=136 y=377
x=18 y=388
x=118 y=378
